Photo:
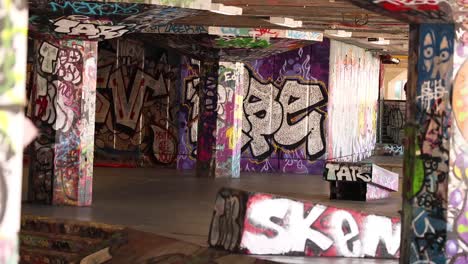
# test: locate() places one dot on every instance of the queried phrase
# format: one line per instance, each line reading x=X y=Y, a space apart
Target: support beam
x=64 y=96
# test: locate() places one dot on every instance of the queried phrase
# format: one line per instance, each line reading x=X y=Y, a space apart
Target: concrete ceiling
x=317 y=15
x=147 y=17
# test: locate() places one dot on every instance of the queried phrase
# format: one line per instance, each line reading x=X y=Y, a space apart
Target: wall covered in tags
x=62 y=107
x=352 y=105
x=285 y=98
x=136 y=105
x=457 y=220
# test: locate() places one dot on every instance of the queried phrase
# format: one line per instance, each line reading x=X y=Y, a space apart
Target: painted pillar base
x=359 y=181
x=64 y=95
x=266 y=224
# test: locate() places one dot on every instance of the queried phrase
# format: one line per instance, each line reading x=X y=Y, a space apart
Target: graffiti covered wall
x=63 y=100
x=457 y=219
x=285 y=99
x=136 y=105
x=352 y=108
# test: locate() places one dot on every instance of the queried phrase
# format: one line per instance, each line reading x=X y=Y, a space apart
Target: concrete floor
x=179 y=205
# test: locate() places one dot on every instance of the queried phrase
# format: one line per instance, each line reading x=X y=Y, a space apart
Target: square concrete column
x=229 y=121
x=206 y=143
x=428 y=145
x=64 y=95
x=220 y=120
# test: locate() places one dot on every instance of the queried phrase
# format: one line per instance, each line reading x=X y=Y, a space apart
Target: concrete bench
x=359 y=181
x=266 y=224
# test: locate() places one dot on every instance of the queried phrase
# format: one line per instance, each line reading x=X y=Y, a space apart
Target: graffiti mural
x=393 y=121
x=457 y=239
x=100 y=21
x=427 y=197
x=255 y=223
x=99 y=9
x=136 y=110
x=63 y=96
x=392 y=150
x=285 y=99
x=354 y=88
x=265 y=33
x=228 y=216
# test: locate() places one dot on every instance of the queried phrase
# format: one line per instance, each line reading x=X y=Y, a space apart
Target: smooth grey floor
x=179 y=205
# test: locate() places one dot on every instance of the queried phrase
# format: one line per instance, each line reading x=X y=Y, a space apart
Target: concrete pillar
x=64 y=94
x=188 y=113
x=13 y=47
x=427 y=148
x=208 y=114
x=220 y=120
x=229 y=121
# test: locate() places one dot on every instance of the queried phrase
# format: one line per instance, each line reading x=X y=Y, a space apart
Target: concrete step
x=40 y=255
x=68 y=227
x=54 y=241
x=62 y=243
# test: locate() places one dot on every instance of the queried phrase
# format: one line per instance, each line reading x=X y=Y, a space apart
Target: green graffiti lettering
x=418 y=178
x=242 y=43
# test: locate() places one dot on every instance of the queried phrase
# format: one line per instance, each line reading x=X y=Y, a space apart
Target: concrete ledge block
x=359 y=181
x=266 y=224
